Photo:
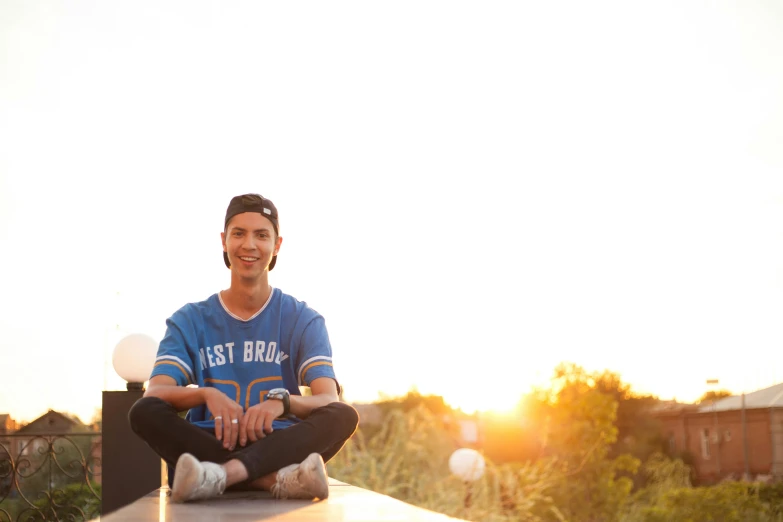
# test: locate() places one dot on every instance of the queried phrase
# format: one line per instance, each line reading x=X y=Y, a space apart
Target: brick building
x=48 y=423
x=7 y=424
x=729 y=437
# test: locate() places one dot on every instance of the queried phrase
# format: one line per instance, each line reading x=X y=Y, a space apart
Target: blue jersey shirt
x=284 y=345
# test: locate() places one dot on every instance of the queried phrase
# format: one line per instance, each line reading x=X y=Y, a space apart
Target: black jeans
x=324 y=431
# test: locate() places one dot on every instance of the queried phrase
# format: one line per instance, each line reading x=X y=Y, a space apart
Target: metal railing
x=50 y=476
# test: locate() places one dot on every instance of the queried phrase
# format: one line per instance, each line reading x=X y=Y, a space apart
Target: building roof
x=771 y=397
x=50 y=419
x=664 y=407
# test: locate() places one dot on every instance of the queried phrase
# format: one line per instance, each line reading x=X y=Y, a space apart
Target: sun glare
x=474 y=401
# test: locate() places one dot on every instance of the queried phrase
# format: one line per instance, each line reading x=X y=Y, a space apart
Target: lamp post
x=467 y=464
x=744 y=420
x=716 y=437
x=130 y=469
x=133 y=359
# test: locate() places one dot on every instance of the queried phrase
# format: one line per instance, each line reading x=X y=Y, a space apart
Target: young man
x=248 y=349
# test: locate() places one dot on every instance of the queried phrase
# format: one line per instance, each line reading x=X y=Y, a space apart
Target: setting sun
x=471 y=401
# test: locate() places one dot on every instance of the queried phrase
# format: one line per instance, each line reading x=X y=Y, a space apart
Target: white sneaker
x=307 y=480
x=194 y=480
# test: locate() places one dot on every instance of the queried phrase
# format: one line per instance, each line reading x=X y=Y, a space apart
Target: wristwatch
x=281 y=394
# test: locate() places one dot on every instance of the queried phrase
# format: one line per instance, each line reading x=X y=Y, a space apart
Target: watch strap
x=281 y=395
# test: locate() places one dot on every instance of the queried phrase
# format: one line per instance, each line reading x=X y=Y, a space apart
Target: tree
x=725 y=502
x=639 y=434
x=408 y=459
x=579 y=431
x=97 y=419
x=74 y=502
x=50 y=463
x=6 y=472
x=714 y=395
x=412 y=400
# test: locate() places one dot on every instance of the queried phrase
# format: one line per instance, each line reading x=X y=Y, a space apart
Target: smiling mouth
x=248 y=259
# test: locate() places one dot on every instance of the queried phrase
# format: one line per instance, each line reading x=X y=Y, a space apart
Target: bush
x=408 y=460
x=73 y=502
x=669 y=496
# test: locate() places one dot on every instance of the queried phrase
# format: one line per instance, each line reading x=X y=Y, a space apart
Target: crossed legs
x=256 y=465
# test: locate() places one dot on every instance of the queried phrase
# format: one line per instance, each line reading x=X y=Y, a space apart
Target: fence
x=50 y=476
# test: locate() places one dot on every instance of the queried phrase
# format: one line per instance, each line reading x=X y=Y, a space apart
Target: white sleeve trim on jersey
x=183 y=363
x=304 y=365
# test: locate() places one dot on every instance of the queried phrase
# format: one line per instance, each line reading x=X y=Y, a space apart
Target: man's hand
x=257 y=421
x=227 y=414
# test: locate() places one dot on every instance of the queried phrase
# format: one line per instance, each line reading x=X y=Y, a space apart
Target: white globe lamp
x=133 y=359
x=467 y=464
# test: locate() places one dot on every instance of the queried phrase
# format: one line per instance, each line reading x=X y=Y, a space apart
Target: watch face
x=277 y=393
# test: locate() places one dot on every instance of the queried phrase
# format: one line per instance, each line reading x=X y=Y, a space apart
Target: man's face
x=250 y=242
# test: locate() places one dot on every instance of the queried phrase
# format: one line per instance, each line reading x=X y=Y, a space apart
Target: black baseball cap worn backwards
x=252 y=203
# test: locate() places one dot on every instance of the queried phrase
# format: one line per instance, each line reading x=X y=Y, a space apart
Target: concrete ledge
x=345 y=503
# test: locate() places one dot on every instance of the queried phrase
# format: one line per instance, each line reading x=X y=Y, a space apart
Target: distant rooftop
x=671 y=407
x=771 y=397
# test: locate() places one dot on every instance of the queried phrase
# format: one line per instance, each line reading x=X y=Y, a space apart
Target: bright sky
x=469 y=192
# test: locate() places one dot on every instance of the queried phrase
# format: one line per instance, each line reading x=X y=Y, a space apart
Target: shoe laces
x=213 y=476
x=287 y=481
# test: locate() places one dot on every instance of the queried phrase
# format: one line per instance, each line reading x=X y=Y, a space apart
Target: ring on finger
x=219 y=418
x=234 y=421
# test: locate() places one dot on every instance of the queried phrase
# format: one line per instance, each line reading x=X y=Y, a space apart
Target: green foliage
x=725 y=502
x=773 y=495
x=74 y=502
x=10 y=508
x=408 y=460
x=413 y=400
x=638 y=432
x=49 y=466
x=407 y=441
x=585 y=437
x=669 y=496
x=714 y=395
x=51 y=475
x=579 y=429
x=6 y=472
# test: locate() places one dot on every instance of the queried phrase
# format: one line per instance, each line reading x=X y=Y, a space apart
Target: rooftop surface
x=345 y=503
x=771 y=397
